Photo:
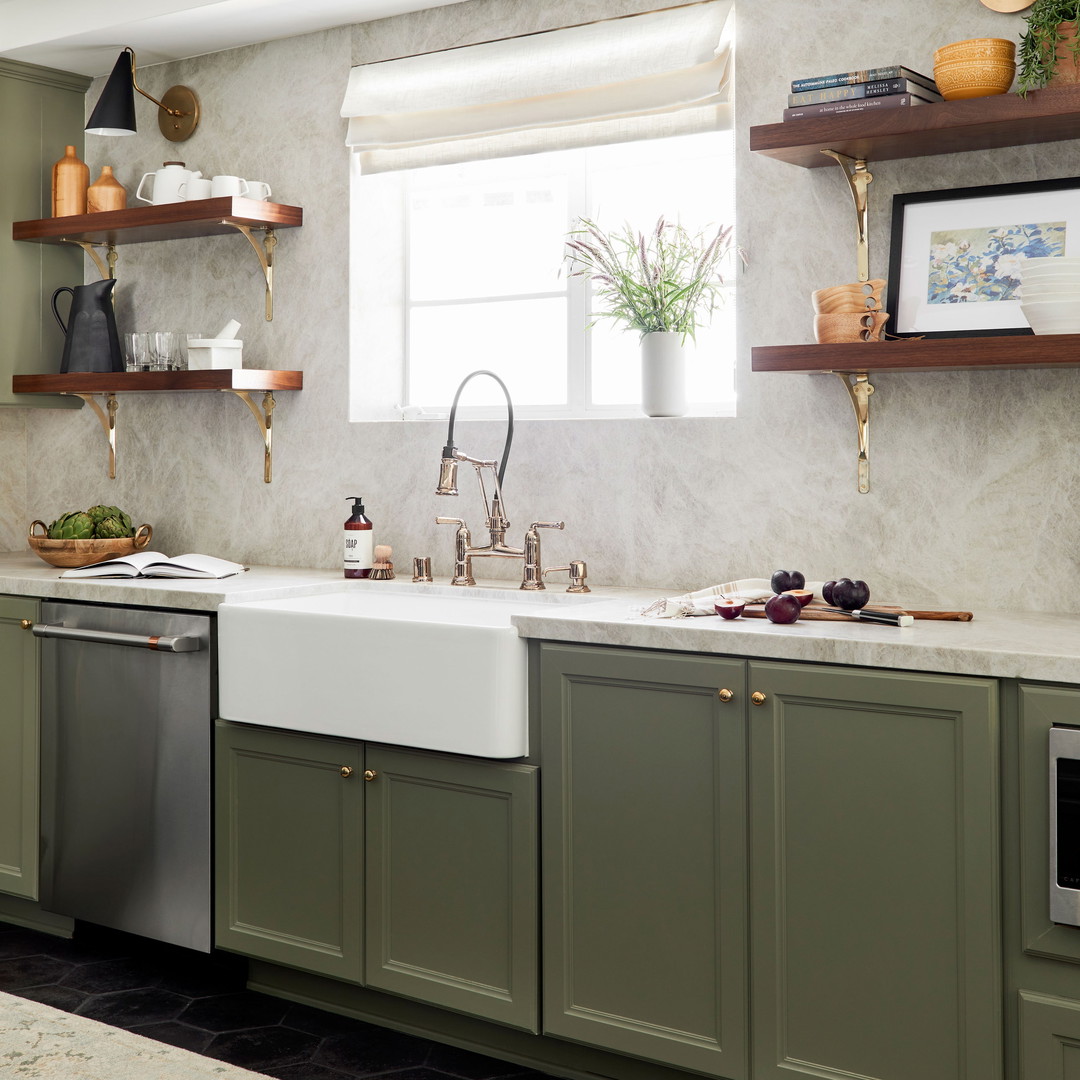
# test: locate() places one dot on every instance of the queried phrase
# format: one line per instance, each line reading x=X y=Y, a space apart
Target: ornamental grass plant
x=668 y=279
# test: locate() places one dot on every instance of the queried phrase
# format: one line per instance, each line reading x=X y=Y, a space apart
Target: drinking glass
x=136 y=352
x=164 y=350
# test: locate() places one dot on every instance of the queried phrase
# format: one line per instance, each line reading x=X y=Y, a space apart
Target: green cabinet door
x=19 y=776
x=1049 y=1037
x=41 y=111
x=289 y=858
x=875 y=923
x=644 y=855
x=451 y=905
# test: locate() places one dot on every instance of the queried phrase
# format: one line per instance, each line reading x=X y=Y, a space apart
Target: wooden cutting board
x=816 y=610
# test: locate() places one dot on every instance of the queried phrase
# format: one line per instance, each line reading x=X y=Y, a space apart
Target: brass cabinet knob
x=370 y=774
x=757 y=697
x=25 y=624
x=724 y=695
x=346 y=771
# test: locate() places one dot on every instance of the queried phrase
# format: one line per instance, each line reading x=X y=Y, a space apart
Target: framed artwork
x=955 y=265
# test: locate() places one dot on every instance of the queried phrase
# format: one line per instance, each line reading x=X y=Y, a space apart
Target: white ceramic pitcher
x=166 y=183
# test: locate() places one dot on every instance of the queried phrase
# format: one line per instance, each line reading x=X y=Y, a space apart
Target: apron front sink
x=440 y=669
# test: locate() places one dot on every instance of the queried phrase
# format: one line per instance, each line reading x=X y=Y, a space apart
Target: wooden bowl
x=68 y=553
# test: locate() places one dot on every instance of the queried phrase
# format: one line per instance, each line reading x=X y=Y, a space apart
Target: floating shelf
x=169 y=221
x=854 y=363
x=1001 y=352
x=949 y=127
x=239 y=381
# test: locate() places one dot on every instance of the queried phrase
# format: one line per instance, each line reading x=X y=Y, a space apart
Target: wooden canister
x=106 y=193
x=70 y=179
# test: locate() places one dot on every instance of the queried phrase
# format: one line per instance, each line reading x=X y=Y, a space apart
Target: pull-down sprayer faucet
x=496 y=521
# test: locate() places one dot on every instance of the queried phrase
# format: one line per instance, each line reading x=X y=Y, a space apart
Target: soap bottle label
x=359 y=551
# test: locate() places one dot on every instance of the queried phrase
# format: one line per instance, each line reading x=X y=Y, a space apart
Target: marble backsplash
x=973 y=475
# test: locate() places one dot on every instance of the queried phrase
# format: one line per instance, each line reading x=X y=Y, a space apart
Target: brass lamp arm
x=159 y=104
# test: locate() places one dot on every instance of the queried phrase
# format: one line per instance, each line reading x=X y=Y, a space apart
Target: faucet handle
x=448 y=521
x=548 y=525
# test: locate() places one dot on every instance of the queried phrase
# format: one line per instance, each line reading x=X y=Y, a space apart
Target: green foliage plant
x=1036 y=57
x=666 y=279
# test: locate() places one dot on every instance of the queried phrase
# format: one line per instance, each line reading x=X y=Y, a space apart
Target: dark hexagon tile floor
x=200 y=1003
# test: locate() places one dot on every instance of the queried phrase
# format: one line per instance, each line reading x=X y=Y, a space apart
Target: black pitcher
x=91 y=342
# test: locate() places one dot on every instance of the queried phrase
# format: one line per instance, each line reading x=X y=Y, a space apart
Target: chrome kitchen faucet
x=496 y=521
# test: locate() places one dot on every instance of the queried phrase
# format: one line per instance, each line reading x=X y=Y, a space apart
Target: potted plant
x=663 y=284
x=1048 y=52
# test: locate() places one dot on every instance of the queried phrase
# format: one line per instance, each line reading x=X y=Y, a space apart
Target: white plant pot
x=663 y=374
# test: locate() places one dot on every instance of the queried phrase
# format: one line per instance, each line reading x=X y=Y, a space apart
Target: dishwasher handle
x=180 y=643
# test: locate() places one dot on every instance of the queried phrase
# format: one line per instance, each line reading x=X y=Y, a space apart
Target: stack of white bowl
x=1050 y=294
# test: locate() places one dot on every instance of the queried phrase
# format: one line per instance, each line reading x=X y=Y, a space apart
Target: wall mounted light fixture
x=114 y=113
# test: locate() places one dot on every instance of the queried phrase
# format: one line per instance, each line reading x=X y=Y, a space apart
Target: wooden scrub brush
x=382 y=568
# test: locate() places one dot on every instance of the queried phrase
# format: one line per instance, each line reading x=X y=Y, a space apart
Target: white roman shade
x=638 y=77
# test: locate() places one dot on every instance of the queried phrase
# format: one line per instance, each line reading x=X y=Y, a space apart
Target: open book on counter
x=154 y=564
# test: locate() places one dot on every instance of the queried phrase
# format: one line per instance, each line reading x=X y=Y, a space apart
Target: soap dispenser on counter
x=359 y=545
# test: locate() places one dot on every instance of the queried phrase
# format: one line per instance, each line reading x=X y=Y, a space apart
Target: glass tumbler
x=137 y=352
x=164 y=350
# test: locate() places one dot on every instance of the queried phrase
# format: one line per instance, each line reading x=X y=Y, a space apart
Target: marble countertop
x=1024 y=645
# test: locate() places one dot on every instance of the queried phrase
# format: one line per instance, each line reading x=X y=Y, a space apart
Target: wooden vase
x=70 y=179
x=106 y=193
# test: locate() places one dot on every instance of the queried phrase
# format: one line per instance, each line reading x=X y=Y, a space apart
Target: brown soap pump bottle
x=359 y=545
x=70 y=179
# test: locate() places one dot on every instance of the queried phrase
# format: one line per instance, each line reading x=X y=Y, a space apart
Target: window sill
x=396 y=414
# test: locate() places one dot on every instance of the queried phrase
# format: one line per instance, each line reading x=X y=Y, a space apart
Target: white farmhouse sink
x=434 y=667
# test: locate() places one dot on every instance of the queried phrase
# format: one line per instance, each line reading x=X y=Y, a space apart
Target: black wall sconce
x=114 y=113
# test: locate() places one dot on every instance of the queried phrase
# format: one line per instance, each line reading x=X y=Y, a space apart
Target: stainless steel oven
x=1065 y=825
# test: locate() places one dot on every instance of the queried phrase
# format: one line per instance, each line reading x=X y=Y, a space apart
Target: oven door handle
x=180 y=643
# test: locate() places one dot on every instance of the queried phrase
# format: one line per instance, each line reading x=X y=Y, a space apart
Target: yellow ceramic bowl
x=973 y=78
x=977 y=49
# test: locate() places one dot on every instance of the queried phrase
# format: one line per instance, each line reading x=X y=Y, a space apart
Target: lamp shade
x=114 y=113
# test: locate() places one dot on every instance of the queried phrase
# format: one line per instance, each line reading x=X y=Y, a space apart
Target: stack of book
x=856 y=91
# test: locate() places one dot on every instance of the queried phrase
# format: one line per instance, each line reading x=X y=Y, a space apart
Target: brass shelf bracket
x=107 y=419
x=89 y=246
x=859 y=179
x=264 y=418
x=265 y=253
x=859 y=390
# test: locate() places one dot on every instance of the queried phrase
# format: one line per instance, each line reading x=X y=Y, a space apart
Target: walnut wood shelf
x=239 y=381
x=1002 y=352
x=948 y=127
x=169 y=221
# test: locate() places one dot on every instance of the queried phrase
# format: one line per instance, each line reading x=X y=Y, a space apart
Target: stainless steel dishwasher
x=126 y=735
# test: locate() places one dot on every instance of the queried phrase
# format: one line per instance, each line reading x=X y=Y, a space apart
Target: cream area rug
x=40 y=1041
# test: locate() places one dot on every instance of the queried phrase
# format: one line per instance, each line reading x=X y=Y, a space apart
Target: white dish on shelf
x=1052 y=316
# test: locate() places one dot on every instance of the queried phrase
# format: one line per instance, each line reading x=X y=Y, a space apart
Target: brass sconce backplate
x=183 y=100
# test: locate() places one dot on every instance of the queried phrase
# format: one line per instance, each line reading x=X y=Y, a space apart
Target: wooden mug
x=841 y=326
x=857 y=297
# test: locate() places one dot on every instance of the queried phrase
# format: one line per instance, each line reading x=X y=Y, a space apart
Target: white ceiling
x=85 y=37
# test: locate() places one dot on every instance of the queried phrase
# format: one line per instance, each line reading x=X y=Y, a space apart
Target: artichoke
x=73 y=526
x=119 y=522
x=99 y=522
x=111 y=528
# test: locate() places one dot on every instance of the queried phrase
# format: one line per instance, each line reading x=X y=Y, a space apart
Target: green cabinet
x=1049 y=1037
x=858 y=809
x=41 y=111
x=644 y=855
x=289 y=849
x=405 y=871
x=19 y=774
x=451 y=882
x=875 y=927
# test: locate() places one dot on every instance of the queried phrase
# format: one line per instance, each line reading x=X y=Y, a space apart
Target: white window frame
x=378 y=362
